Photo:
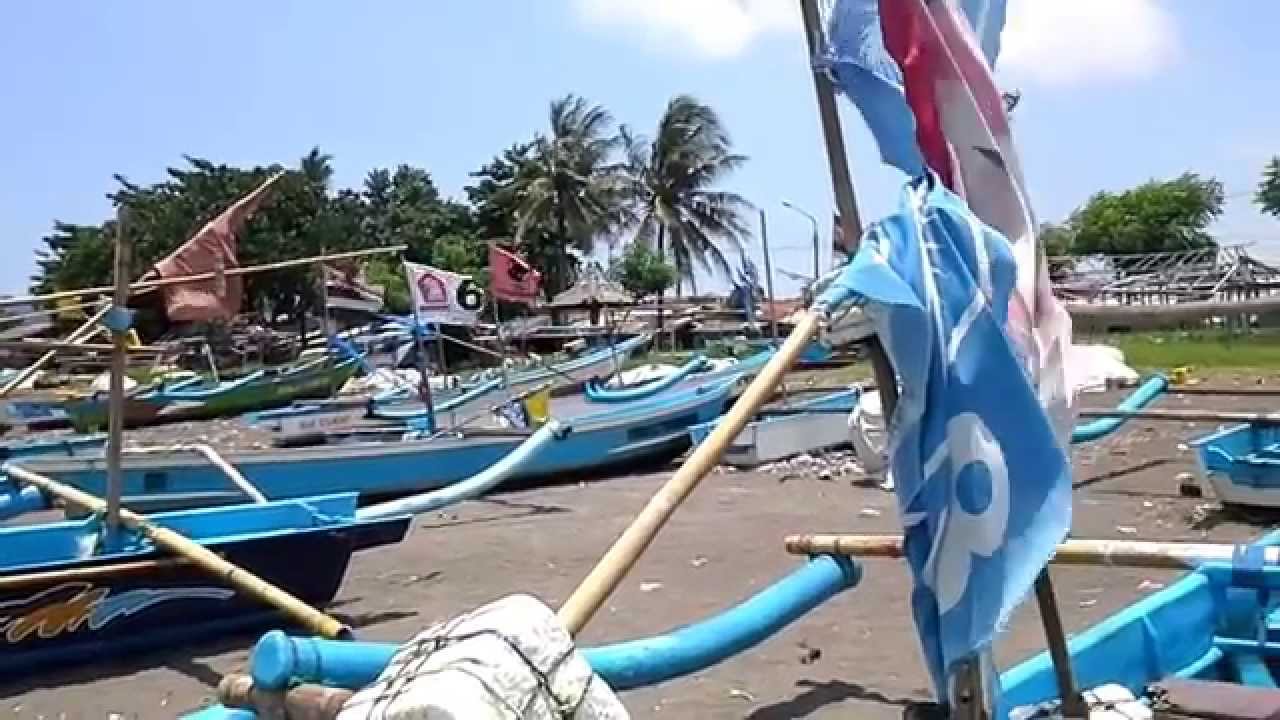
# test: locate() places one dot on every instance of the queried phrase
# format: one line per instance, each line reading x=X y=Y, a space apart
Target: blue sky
x=1115 y=92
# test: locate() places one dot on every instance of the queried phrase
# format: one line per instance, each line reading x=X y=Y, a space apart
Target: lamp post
x=817 y=270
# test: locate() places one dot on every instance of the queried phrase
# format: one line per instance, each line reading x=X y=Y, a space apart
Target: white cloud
x=717 y=29
x=1068 y=42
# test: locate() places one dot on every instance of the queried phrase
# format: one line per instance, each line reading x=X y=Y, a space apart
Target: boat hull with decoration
x=61 y=602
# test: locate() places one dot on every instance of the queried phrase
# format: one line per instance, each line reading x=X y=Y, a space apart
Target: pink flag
x=964 y=134
x=213 y=249
x=511 y=278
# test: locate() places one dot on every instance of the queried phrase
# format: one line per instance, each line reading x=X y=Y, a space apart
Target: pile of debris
x=831 y=465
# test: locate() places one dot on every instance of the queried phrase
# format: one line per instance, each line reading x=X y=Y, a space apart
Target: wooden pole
x=768 y=278
x=54 y=345
x=84 y=332
x=424 y=381
x=163 y=282
x=243 y=580
x=832 y=135
x=1185 y=416
x=119 y=361
x=1153 y=555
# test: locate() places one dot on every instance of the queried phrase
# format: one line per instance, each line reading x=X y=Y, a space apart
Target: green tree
x=568 y=192
x=494 y=193
x=673 y=203
x=642 y=271
x=1268 y=195
x=1156 y=216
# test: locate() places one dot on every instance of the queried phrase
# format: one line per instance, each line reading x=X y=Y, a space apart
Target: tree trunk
x=662 y=253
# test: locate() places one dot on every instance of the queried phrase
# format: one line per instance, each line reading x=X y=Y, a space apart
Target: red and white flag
x=963 y=132
x=511 y=278
x=213 y=249
x=442 y=297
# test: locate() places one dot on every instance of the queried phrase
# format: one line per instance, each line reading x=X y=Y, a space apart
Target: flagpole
x=424 y=382
x=768 y=279
x=119 y=321
x=444 y=367
x=324 y=312
x=502 y=344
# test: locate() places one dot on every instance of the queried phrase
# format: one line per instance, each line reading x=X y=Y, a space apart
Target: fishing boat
x=801 y=426
x=66 y=596
x=197 y=399
x=1242 y=464
x=1206 y=641
x=565 y=378
x=379 y=462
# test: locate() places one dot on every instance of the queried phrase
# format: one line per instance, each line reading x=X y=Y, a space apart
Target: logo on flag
x=440 y=296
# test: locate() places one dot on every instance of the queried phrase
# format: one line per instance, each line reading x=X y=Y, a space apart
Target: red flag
x=964 y=135
x=213 y=249
x=511 y=278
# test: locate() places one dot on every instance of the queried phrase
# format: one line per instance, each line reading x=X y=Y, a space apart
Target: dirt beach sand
x=856 y=656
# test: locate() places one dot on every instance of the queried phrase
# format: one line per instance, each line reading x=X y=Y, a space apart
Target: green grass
x=1202 y=350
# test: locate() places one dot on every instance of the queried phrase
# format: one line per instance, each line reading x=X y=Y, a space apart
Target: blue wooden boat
x=596 y=391
x=1217 y=624
x=278 y=659
x=383 y=462
x=1242 y=464
x=64 y=598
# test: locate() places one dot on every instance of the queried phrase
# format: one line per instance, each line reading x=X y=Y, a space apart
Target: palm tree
x=671 y=179
x=568 y=192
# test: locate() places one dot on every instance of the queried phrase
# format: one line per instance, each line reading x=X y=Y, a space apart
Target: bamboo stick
x=54 y=345
x=308 y=617
x=83 y=332
x=119 y=363
x=1115 y=553
x=1186 y=416
x=150 y=284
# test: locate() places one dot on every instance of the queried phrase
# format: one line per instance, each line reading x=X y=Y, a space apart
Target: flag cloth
x=530 y=411
x=511 y=278
x=864 y=71
x=213 y=249
x=439 y=296
x=963 y=130
x=983 y=484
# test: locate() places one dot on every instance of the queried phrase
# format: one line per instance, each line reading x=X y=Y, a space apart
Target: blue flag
x=867 y=74
x=983 y=483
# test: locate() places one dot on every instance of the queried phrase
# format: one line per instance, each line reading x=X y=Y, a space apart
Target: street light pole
x=817 y=269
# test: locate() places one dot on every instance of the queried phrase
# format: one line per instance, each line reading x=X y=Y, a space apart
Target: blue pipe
x=278 y=659
x=15 y=502
x=600 y=394
x=1142 y=397
x=652 y=660
x=474 y=486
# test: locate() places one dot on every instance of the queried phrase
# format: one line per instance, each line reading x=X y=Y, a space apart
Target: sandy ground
x=855 y=656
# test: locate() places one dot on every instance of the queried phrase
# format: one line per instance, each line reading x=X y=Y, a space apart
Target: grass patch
x=1205 y=349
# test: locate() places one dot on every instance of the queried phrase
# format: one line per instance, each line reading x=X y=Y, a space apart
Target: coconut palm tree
x=673 y=205
x=569 y=190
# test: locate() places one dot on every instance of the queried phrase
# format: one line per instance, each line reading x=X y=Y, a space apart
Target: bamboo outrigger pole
x=77 y=337
x=229 y=272
x=1112 y=553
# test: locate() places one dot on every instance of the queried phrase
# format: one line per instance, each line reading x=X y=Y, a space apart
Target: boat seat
x=1175 y=699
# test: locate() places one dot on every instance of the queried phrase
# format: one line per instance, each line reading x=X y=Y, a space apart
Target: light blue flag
x=983 y=485
x=865 y=73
